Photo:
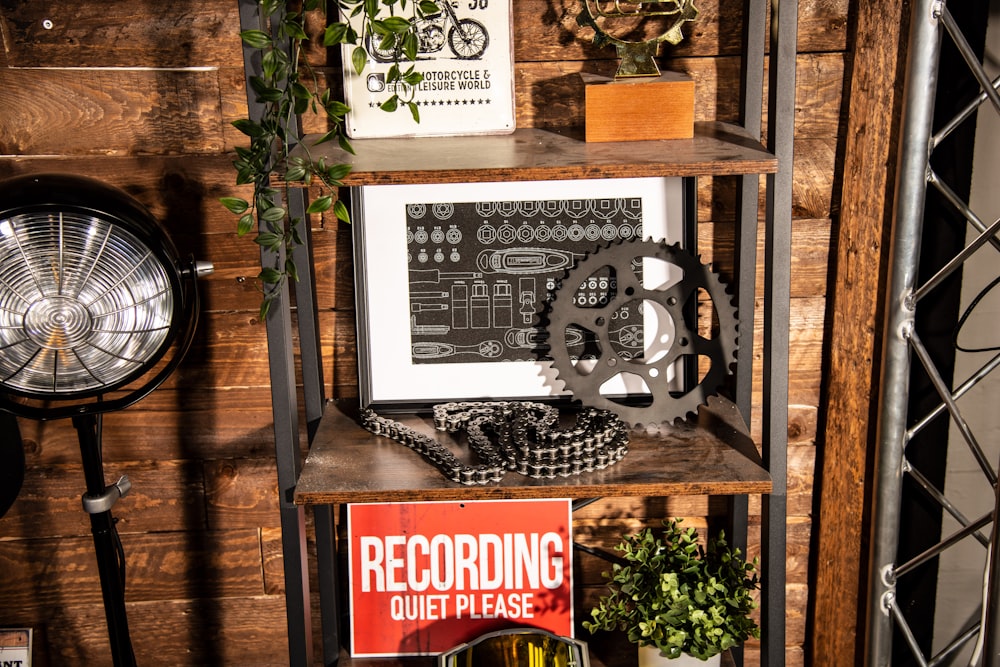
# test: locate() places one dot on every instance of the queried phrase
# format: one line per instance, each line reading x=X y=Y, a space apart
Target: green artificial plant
x=287 y=87
x=672 y=593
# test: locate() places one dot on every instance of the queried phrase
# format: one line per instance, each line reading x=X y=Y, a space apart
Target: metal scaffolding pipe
x=991 y=620
x=911 y=189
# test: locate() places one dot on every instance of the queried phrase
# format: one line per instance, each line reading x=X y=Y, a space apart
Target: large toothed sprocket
x=651 y=353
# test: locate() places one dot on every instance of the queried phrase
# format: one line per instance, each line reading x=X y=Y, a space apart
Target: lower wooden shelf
x=712 y=456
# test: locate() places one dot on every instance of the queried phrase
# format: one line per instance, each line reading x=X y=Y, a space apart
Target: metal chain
x=512 y=435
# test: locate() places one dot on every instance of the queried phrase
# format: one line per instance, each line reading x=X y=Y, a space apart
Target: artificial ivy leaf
x=269 y=275
x=270 y=64
x=244 y=225
x=320 y=204
x=414 y=111
x=248 y=127
x=273 y=214
x=257 y=39
x=340 y=210
x=359 y=57
x=295 y=173
x=390 y=104
x=337 y=109
x=235 y=204
x=410 y=46
x=293 y=29
x=428 y=7
x=332 y=134
x=335 y=33
x=337 y=171
x=269 y=240
x=396 y=24
x=345 y=144
x=291 y=271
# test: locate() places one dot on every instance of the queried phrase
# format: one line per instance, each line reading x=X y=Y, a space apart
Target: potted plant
x=675 y=598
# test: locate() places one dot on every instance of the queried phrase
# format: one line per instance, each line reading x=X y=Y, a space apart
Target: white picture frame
x=395 y=306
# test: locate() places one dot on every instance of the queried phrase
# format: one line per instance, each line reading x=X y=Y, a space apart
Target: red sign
x=426 y=577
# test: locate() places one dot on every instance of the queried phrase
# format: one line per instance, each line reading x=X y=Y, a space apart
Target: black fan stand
x=97 y=502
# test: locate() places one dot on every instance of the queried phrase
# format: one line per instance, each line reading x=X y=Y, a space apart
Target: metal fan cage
x=90 y=288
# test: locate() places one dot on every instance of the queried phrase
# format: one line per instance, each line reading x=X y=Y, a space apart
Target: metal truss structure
x=931 y=23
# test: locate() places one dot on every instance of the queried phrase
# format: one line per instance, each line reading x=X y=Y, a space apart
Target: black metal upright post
x=110 y=561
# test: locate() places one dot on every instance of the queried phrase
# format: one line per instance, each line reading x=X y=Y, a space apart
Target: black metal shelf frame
x=774 y=34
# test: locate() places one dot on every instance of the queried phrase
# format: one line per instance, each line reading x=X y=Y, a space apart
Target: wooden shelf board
x=720 y=149
x=346 y=463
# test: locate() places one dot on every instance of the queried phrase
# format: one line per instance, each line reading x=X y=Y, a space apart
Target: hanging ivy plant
x=287 y=87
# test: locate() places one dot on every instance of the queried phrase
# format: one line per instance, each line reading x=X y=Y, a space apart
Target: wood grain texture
x=161 y=566
x=119 y=33
x=114 y=112
x=224 y=631
x=861 y=243
x=650 y=108
x=349 y=464
x=532 y=155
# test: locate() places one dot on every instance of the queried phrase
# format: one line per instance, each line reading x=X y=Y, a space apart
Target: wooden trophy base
x=639 y=108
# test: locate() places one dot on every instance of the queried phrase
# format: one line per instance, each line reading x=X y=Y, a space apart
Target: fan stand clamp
x=105 y=501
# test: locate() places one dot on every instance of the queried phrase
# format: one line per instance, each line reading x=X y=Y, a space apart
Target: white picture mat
x=387 y=372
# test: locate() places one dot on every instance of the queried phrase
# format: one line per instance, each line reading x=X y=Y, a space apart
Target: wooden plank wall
x=141 y=94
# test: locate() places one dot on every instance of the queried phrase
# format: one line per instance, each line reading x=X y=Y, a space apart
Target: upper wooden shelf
x=713 y=456
x=719 y=149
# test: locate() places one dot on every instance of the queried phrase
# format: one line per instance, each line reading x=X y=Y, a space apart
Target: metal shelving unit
x=774 y=160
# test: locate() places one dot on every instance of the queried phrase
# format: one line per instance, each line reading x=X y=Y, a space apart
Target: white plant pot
x=650 y=656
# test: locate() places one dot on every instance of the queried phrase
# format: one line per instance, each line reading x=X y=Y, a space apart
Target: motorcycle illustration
x=467 y=38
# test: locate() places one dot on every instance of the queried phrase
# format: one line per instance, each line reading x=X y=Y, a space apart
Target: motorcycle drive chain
x=521 y=436
x=662 y=405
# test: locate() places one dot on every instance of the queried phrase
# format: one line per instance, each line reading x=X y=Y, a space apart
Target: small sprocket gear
x=640 y=318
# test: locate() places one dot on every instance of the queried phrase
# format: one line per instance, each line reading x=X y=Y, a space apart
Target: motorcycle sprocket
x=621 y=263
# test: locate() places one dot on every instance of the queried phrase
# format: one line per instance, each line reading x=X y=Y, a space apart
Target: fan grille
x=84 y=304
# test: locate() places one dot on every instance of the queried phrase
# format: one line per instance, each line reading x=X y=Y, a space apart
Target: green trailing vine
x=287 y=87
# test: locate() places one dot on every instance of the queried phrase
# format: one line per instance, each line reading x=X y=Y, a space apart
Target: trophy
x=640 y=102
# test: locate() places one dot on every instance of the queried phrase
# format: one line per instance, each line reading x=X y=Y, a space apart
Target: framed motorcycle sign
x=465 y=55
x=451 y=280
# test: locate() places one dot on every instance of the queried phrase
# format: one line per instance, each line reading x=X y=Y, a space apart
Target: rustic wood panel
x=114 y=112
x=165 y=496
x=241 y=493
x=871 y=137
x=223 y=631
x=120 y=33
x=822 y=27
x=167 y=425
x=161 y=566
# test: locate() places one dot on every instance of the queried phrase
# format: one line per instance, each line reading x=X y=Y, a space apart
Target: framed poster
x=466 y=57
x=428 y=576
x=450 y=279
